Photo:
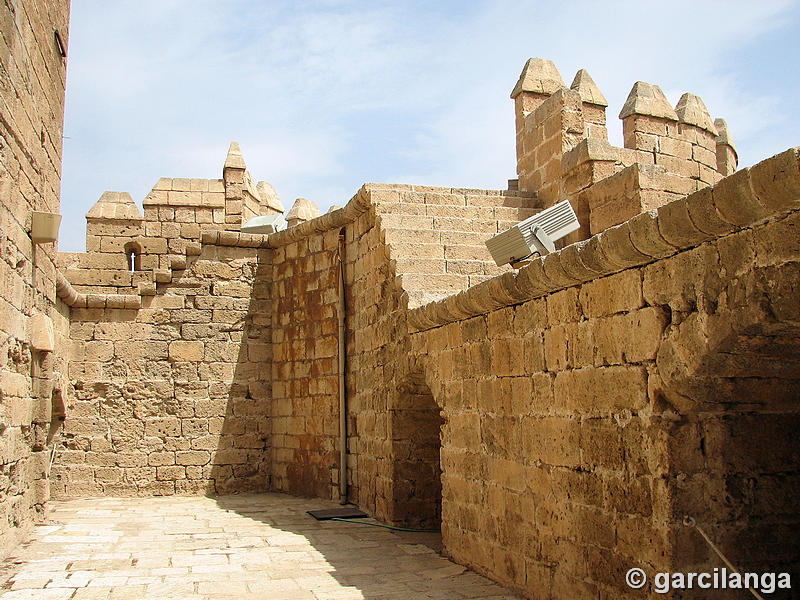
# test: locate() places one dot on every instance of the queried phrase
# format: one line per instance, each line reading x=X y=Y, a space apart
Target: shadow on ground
x=348 y=560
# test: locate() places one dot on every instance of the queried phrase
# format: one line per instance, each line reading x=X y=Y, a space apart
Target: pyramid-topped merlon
x=539 y=76
x=692 y=110
x=234 y=159
x=587 y=89
x=269 y=197
x=302 y=210
x=118 y=206
x=647 y=99
x=563 y=149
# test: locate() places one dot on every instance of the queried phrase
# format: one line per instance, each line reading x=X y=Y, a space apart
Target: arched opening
x=133 y=251
x=416 y=426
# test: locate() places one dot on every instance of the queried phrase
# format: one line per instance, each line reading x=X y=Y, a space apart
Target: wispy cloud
x=324 y=96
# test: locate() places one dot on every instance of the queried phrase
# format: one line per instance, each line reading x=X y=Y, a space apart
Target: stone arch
x=415 y=427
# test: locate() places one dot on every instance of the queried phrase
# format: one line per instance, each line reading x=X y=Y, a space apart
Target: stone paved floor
x=243 y=547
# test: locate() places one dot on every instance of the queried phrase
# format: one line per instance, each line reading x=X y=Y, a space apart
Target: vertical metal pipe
x=342 y=365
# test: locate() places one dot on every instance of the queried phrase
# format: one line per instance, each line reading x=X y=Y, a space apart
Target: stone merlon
x=269 y=197
x=724 y=134
x=234 y=160
x=115 y=205
x=587 y=89
x=647 y=99
x=303 y=209
x=539 y=76
x=692 y=111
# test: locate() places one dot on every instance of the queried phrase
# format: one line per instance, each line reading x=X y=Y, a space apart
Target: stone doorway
x=416 y=426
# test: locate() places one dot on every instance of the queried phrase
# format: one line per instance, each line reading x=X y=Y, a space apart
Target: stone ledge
x=589 y=149
x=766 y=190
x=75 y=299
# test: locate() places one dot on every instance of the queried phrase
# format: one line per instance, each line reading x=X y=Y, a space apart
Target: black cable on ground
x=392 y=527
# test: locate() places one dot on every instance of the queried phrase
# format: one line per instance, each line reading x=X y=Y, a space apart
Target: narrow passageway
x=244 y=547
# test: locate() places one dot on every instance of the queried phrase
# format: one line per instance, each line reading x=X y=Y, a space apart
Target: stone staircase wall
x=436 y=236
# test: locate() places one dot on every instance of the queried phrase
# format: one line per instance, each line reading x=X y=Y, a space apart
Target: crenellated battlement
x=128 y=253
x=563 y=151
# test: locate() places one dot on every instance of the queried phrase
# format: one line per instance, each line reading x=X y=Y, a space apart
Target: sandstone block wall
x=32 y=76
x=433 y=238
x=586 y=402
x=583 y=424
x=406 y=244
x=171 y=342
x=305 y=406
x=436 y=236
x=558 y=421
x=173 y=396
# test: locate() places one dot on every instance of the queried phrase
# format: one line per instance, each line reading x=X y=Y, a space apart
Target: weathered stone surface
x=234 y=160
x=776 y=181
x=692 y=111
x=269 y=197
x=34 y=333
x=735 y=201
x=302 y=210
x=115 y=205
x=41 y=333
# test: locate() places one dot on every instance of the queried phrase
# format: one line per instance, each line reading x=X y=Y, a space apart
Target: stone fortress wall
x=33 y=329
x=557 y=421
x=171 y=343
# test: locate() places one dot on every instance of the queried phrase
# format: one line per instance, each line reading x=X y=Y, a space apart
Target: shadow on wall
x=241 y=462
x=737 y=461
x=415 y=426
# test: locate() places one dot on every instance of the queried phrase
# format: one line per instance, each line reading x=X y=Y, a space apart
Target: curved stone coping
x=751 y=195
x=75 y=299
x=235 y=238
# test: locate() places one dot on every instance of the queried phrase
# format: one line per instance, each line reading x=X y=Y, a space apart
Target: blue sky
x=324 y=96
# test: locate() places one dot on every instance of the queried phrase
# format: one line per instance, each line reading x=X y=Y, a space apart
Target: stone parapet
x=562 y=144
x=598 y=396
x=735 y=202
x=557 y=423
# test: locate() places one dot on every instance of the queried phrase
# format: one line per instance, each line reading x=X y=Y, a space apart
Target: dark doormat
x=338 y=513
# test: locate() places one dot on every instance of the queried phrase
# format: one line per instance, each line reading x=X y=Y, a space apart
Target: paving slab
x=244 y=547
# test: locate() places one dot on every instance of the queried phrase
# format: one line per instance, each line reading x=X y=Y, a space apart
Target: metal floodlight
x=263 y=224
x=536 y=234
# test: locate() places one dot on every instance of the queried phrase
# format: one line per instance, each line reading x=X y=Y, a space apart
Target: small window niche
x=133 y=251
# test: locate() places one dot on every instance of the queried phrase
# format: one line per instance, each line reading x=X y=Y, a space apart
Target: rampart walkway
x=243 y=547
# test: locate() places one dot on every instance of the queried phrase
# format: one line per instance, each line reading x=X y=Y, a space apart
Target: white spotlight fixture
x=534 y=235
x=263 y=224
